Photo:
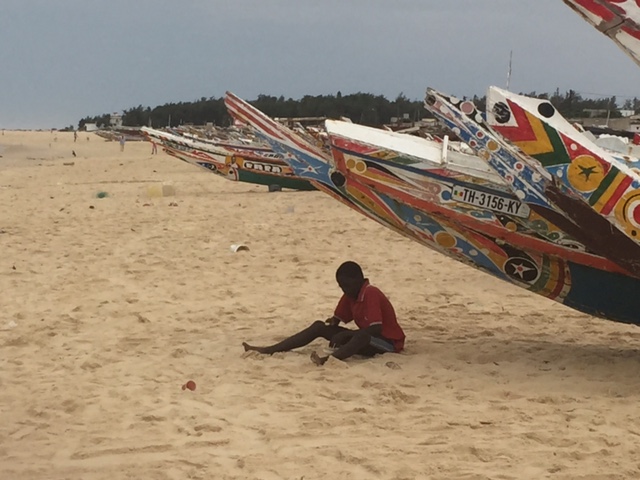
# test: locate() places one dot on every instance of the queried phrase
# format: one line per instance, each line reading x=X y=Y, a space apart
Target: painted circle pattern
x=585 y=173
x=467 y=108
x=445 y=239
x=627 y=212
x=492 y=145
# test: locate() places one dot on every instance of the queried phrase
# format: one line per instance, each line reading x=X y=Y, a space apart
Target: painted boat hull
x=242 y=175
x=618 y=20
x=384 y=162
x=610 y=187
x=570 y=283
x=533 y=184
x=247 y=167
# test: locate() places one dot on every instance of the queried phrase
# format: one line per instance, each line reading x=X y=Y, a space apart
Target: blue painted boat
x=534 y=185
x=574 y=283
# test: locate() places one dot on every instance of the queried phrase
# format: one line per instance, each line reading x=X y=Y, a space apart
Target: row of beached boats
x=538 y=203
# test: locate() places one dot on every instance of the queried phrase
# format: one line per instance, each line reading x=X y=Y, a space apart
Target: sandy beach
x=109 y=305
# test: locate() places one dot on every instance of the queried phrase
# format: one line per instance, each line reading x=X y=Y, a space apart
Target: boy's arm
x=342 y=313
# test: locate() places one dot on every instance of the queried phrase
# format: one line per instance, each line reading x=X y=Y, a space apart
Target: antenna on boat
x=509 y=72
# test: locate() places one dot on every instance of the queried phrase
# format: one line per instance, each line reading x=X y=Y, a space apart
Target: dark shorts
x=377 y=346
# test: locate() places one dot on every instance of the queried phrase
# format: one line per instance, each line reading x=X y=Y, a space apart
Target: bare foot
x=318 y=360
x=251 y=348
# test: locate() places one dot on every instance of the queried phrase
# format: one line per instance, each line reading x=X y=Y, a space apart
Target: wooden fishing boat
x=603 y=181
x=533 y=184
x=240 y=163
x=308 y=160
x=570 y=282
x=418 y=171
x=617 y=19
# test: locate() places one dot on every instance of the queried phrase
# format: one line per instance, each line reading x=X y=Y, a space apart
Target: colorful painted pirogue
x=235 y=162
x=574 y=278
x=421 y=173
x=611 y=187
x=608 y=185
x=350 y=151
x=617 y=19
x=534 y=185
x=307 y=160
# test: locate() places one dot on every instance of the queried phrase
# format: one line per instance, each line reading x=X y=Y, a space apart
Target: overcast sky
x=61 y=60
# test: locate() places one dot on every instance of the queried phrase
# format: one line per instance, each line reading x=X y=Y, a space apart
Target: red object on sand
x=191 y=385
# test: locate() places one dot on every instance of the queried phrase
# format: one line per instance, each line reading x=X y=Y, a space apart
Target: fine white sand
x=107 y=311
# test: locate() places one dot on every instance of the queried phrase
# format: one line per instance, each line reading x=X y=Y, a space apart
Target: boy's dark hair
x=350 y=270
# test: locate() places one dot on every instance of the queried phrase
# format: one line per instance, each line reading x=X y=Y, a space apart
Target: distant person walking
x=75 y=136
x=154 y=148
x=122 y=142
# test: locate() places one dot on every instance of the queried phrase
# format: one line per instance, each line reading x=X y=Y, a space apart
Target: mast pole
x=509 y=71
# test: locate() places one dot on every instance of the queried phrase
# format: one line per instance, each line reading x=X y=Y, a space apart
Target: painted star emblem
x=520 y=269
x=587 y=171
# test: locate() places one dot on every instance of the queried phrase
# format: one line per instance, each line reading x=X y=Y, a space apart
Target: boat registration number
x=489 y=201
x=262 y=167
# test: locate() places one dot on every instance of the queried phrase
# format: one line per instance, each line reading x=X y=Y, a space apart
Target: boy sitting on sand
x=378 y=329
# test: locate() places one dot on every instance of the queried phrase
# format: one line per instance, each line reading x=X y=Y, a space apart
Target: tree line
x=362 y=108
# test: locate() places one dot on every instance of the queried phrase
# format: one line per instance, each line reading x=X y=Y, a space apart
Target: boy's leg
x=317 y=329
x=378 y=346
x=361 y=343
x=358 y=341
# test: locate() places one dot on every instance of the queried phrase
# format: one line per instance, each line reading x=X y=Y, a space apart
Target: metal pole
x=509 y=72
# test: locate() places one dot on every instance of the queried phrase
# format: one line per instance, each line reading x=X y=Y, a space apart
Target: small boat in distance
x=240 y=163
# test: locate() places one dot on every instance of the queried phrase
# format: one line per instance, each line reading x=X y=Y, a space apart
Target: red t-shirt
x=372 y=308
